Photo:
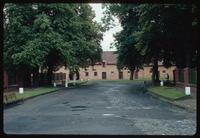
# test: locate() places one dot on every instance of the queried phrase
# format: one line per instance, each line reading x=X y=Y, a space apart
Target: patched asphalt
x=99 y=108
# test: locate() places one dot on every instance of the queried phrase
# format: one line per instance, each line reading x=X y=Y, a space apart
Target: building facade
x=107 y=70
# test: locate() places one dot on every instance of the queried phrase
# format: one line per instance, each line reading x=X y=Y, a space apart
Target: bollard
x=161 y=83
x=54 y=84
x=21 y=90
x=66 y=84
x=187 y=90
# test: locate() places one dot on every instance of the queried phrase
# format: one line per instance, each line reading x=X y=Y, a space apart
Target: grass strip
x=171 y=93
x=32 y=92
x=28 y=93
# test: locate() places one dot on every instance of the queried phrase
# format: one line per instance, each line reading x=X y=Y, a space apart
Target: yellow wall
x=142 y=74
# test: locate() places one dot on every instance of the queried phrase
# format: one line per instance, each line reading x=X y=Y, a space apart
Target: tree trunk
x=36 y=77
x=27 y=79
x=70 y=75
x=77 y=75
x=155 y=75
x=20 y=79
x=49 y=75
x=188 y=58
x=41 y=77
x=24 y=76
x=132 y=73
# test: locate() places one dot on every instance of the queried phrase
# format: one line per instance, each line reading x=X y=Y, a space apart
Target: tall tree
x=48 y=36
x=162 y=31
x=128 y=57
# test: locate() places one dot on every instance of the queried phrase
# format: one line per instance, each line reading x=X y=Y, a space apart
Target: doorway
x=104 y=75
x=120 y=75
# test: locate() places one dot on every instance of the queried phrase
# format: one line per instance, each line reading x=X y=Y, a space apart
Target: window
x=163 y=71
x=112 y=72
x=86 y=73
x=86 y=69
x=95 y=73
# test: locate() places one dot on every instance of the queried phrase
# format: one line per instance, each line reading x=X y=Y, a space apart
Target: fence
x=9 y=79
x=5 y=80
x=186 y=76
x=181 y=75
x=192 y=76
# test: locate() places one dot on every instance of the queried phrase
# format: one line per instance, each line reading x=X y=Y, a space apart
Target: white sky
x=108 y=36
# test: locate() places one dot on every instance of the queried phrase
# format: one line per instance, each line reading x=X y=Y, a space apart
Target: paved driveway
x=99 y=108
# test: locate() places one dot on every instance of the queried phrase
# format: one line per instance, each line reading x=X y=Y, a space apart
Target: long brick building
x=107 y=70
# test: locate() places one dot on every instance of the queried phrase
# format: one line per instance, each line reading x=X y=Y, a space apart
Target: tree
x=128 y=57
x=48 y=36
x=160 y=32
x=170 y=26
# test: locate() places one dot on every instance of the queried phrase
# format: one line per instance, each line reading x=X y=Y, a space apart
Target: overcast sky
x=108 y=36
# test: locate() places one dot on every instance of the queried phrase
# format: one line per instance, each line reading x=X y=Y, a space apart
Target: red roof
x=109 y=57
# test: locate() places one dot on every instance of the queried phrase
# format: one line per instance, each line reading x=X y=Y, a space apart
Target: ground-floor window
x=86 y=73
x=95 y=73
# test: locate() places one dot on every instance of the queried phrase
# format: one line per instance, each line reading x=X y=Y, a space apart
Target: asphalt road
x=99 y=108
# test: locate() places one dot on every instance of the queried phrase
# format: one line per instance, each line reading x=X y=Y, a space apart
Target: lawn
x=29 y=92
x=171 y=93
x=37 y=91
x=32 y=92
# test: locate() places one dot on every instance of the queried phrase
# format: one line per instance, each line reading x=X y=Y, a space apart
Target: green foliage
x=165 y=30
x=155 y=32
x=127 y=54
x=49 y=36
x=170 y=93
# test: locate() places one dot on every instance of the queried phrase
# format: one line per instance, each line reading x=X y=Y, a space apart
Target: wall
x=145 y=73
x=142 y=74
x=5 y=80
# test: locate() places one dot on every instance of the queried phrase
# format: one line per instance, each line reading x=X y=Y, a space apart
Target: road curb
x=14 y=103
x=171 y=102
